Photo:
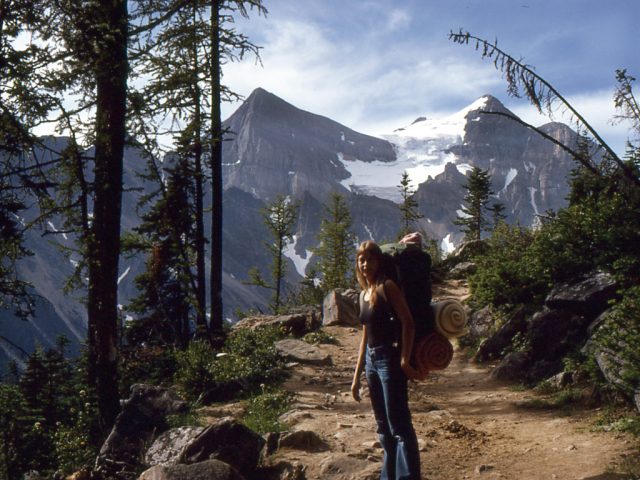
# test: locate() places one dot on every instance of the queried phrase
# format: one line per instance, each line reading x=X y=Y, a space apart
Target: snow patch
x=509 y=178
x=532 y=191
x=299 y=262
x=55 y=230
x=422 y=150
x=121 y=277
x=369 y=232
x=446 y=245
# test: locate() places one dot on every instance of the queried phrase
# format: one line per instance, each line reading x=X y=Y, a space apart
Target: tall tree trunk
x=110 y=71
x=216 y=175
x=201 y=292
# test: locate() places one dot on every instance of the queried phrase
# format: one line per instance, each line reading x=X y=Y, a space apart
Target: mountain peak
x=261 y=100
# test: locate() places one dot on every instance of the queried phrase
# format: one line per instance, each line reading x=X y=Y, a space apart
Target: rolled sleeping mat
x=432 y=352
x=450 y=318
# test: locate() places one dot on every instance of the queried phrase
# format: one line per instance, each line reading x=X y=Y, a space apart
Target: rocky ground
x=468 y=425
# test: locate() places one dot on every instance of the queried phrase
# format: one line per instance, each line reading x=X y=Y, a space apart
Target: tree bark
x=216 y=175
x=110 y=69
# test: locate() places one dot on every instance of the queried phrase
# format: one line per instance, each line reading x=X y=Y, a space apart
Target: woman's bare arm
x=355 y=385
x=396 y=300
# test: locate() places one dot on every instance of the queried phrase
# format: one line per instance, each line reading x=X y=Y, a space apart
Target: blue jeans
x=390 y=402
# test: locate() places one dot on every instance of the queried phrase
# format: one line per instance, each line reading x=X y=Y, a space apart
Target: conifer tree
x=408 y=207
x=280 y=218
x=497 y=214
x=473 y=221
x=336 y=245
x=166 y=289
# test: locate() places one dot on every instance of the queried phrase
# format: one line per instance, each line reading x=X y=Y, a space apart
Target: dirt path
x=468 y=425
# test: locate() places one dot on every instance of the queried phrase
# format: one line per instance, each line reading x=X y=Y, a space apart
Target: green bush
x=249 y=355
x=263 y=410
x=508 y=274
x=72 y=441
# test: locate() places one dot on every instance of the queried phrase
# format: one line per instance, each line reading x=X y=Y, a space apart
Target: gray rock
x=561 y=380
x=340 y=307
x=589 y=296
x=166 y=449
x=462 y=270
x=467 y=250
x=480 y=323
x=552 y=334
x=303 y=440
x=636 y=399
x=228 y=441
x=346 y=466
x=495 y=346
x=302 y=352
x=141 y=419
x=513 y=367
x=296 y=324
x=206 y=470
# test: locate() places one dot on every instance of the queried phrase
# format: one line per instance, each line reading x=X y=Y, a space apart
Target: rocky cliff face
x=276 y=148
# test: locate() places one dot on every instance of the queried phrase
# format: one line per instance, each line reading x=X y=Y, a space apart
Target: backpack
x=409 y=266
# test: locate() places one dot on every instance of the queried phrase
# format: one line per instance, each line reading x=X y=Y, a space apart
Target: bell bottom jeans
x=390 y=402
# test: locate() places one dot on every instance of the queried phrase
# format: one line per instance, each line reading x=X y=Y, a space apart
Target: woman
x=386 y=364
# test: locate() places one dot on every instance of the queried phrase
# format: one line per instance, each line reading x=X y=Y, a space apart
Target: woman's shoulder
x=387 y=287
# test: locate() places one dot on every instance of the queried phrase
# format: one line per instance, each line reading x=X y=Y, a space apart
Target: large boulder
x=513 y=367
x=496 y=345
x=468 y=250
x=303 y=440
x=228 y=441
x=303 y=352
x=610 y=356
x=340 y=307
x=142 y=418
x=589 y=296
x=480 y=323
x=205 y=470
x=462 y=270
x=553 y=334
x=166 y=449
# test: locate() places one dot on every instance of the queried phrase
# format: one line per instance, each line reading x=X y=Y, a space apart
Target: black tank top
x=381 y=328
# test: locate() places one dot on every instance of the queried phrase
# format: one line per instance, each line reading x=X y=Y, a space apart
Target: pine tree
x=497 y=214
x=166 y=290
x=280 y=218
x=408 y=207
x=335 y=245
x=478 y=187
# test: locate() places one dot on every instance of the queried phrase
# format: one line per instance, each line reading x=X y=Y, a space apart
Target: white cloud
x=398 y=20
x=365 y=87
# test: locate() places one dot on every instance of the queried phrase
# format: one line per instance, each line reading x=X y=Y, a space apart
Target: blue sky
x=376 y=65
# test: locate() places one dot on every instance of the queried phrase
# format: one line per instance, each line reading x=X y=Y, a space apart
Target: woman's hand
x=409 y=371
x=355 y=389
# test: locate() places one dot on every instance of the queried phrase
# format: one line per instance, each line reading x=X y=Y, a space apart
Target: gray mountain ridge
x=275 y=148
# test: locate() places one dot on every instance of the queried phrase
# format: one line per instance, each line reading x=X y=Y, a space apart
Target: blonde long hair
x=371 y=247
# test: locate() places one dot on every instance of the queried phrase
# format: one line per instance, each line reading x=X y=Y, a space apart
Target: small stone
x=372 y=444
x=483 y=468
